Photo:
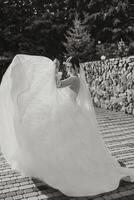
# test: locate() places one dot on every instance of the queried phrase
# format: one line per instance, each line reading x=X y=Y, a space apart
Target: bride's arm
x=66 y=82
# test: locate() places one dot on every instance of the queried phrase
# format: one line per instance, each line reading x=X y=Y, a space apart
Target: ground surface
x=117 y=130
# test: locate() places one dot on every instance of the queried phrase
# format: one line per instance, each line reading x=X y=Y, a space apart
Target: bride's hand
x=57 y=63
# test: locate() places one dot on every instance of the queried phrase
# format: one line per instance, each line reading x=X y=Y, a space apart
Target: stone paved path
x=117 y=129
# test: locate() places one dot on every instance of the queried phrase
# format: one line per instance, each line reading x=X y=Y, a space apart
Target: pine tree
x=78 y=41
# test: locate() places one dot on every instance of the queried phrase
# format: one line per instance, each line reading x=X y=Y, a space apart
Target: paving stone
x=2 y=187
x=11 y=182
x=107 y=197
x=99 y=198
x=40 y=192
x=43 y=196
x=127 y=193
x=123 y=194
x=130 y=192
x=6 y=179
x=18 y=197
x=13 y=178
x=5 y=190
x=10 y=194
x=9 y=198
x=28 y=190
x=16 y=185
x=115 y=196
x=23 y=199
x=30 y=194
x=26 y=187
x=130 y=197
x=19 y=192
x=2 y=196
x=57 y=194
x=8 y=186
x=24 y=183
x=14 y=189
x=2 y=183
x=35 y=189
x=49 y=195
x=33 y=198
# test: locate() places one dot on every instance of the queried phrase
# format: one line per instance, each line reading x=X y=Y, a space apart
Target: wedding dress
x=51 y=133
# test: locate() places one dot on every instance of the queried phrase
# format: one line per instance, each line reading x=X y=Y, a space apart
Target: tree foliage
x=109 y=20
x=78 y=41
x=40 y=26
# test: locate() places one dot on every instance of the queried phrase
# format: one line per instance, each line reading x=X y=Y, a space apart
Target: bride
x=48 y=128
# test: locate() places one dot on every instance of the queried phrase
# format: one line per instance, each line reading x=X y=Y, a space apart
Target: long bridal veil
x=21 y=83
x=84 y=97
x=51 y=134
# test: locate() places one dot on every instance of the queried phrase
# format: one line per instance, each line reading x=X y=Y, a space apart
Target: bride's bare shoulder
x=76 y=79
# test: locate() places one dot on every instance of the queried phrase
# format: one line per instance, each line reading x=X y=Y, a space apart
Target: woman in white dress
x=48 y=129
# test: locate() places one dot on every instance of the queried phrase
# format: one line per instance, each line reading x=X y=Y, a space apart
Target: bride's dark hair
x=75 y=63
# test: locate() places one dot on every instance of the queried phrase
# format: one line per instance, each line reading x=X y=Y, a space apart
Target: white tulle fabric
x=51 y=133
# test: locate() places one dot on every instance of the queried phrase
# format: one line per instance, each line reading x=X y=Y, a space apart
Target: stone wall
x=111 y=83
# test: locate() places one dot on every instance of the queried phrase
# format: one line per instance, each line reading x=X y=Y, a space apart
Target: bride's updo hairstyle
x=75 y=63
